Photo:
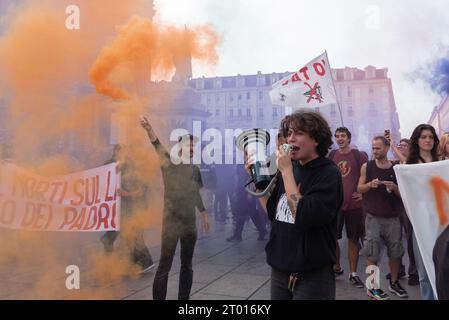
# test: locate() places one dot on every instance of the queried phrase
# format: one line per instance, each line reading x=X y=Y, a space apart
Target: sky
x=276 y=36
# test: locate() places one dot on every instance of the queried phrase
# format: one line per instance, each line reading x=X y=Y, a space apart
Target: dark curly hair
x=344 y=130
x=414 y=156
x=313 y=124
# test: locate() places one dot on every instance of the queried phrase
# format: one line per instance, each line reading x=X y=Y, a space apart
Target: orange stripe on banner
x=439 y=187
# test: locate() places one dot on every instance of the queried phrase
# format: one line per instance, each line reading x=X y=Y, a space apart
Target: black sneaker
x=356 y=282
x=377 y=294
x=396 y=288
x=339 y=271
x=413 y=280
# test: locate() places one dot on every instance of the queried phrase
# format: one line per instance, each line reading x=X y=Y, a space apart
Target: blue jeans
x=424 y=281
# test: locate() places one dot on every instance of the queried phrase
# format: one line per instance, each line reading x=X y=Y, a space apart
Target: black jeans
x=170 y=237
x=221 y=204
x=314 y=285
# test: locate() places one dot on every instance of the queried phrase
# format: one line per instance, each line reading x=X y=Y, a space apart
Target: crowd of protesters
x=319 y=193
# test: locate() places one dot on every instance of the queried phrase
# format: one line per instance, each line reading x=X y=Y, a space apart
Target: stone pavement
x=222 y=270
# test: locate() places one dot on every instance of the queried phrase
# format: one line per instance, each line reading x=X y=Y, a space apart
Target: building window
x=248 y=95
x=231 y=113
x=260 y=95
x=248 y=112
x=231 y=97
x=349 y=91
x=371 y=89
x=217 y=112
x=240 y=112
x=217 y=98
x=240 y=96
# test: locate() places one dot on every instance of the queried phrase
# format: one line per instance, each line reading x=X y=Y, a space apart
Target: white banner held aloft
x=83 y=201
x=312 y=86
x=425 y=193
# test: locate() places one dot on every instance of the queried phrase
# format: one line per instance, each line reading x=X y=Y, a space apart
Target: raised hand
x=145 y=123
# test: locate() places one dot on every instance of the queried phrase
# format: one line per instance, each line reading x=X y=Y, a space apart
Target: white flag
x=310 y=87
x=425 y=193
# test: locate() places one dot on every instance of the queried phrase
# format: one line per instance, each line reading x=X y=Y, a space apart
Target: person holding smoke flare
x=182 y=185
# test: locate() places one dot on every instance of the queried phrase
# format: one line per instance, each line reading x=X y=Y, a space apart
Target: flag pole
x=335 y=90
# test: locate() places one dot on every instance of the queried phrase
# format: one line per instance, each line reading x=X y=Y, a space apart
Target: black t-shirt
x=378 y=201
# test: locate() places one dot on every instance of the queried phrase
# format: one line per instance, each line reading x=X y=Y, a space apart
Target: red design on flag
x=314 y=92
x=319 y=69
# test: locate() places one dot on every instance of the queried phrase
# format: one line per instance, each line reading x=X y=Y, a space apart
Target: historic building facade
x=366 y=99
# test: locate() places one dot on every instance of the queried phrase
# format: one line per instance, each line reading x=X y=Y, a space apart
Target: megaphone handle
x=266 y=191
x=256 y=194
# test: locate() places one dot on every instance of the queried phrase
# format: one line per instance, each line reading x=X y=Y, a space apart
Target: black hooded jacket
x=309 y=242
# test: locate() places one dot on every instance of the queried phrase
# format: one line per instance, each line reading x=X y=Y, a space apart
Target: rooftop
x=265 y=79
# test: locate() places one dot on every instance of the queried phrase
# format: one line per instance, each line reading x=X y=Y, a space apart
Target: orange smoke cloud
x=45 y=64
x=44 y=71
x=142 y=47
